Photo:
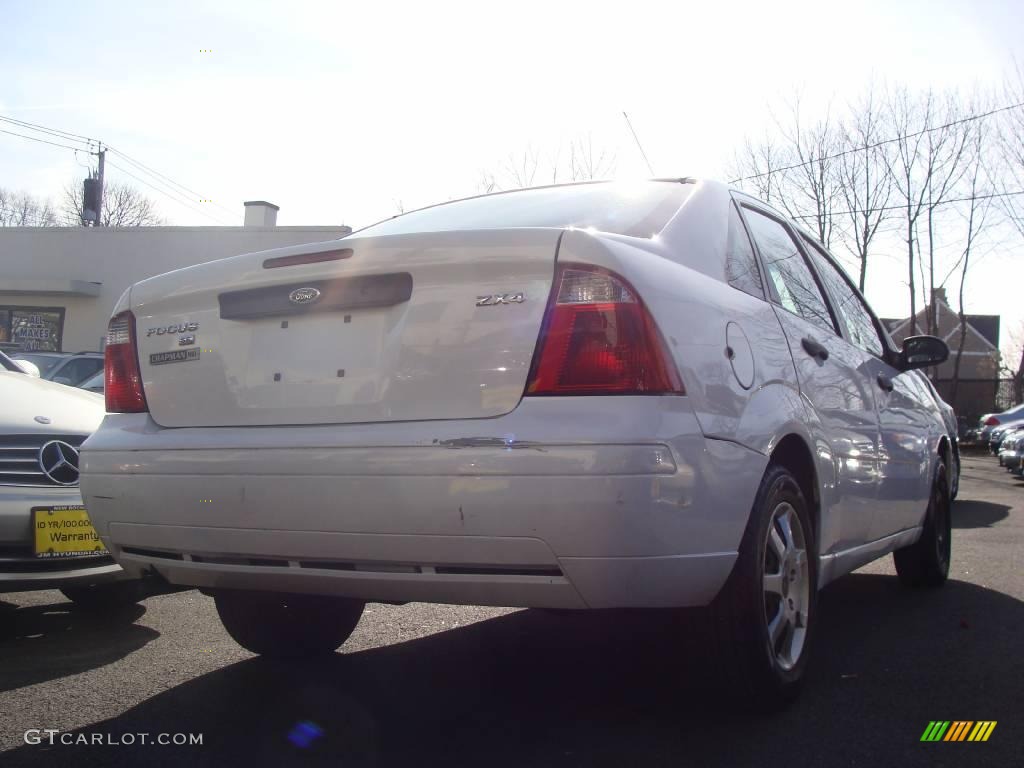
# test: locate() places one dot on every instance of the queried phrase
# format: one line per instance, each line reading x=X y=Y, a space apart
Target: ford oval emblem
x=304 y=295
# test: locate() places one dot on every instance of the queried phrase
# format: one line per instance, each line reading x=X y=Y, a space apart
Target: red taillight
x=599 y=339
x=122 y=379
x=991 y=421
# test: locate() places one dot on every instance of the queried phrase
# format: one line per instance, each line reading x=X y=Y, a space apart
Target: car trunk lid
x=437 y=325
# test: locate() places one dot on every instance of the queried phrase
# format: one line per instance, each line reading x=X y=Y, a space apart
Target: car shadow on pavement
x=533 y=688
x=972 y=513
x=47 y=642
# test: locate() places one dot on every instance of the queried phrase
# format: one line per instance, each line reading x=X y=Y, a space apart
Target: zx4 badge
x=500 y=298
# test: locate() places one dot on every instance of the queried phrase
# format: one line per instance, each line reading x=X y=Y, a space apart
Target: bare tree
x=758 y=168
x=926 y=164
x=811 y=179
x=796 y=169
x=123 y=206
x=585 y=164
x=905 y=114
x=20 y=209
x=488 y=183
x=946 y=165
x=864 y=182
x=1011 y=150
x=532 y=166
x=522 y=169
x=979 y=205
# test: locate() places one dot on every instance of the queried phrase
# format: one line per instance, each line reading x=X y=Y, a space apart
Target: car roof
x=509 y=192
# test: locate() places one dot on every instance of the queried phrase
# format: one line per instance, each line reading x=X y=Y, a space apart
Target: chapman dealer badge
x=176 y=356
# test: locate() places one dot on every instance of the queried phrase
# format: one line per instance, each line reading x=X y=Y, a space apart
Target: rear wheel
x=764 y=616
x=925 y=563
x=287 y=625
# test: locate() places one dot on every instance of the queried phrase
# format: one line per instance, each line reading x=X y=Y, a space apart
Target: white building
x=58 y=285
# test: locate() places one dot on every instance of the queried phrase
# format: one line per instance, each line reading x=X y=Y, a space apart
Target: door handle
x=814 y=348
x=885 y=382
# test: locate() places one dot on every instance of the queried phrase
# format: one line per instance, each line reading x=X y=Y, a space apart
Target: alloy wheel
x=940 y=519
x=786 y=583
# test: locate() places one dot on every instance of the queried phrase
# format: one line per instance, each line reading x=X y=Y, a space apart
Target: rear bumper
x=20 y=569
x=419 y=511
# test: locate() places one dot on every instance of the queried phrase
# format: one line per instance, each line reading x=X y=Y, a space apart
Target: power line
x=154 y=173
x=47 y=131
x=851 y=212
x=142 y=167
x=844 y=152
x=43 y=141
x=173 y=196
x=26 y=124
x=167 y=188
x=167 y=194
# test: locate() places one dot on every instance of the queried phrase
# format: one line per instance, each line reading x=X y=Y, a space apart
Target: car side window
x=788 y=273
x=847 y=303
x=741 y=268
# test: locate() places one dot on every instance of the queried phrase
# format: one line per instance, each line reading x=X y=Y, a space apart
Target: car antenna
x=638 y=144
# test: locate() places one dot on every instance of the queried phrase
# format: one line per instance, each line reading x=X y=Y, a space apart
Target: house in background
x=978 y=389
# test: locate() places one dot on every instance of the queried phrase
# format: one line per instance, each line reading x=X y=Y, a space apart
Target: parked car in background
x=64 y=367
x=997 y=434
x=1008 y=447
x=990 y=421
x=46 y=538
x=1015 y=462
x=648 y=395
x=952 y=427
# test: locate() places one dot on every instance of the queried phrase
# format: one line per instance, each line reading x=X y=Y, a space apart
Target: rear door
x=903 y=421
x=832 y=379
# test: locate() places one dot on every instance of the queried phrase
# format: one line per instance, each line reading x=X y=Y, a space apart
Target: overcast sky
x=341 y=112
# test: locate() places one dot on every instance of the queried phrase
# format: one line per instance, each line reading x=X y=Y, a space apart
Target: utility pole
x=102 y=153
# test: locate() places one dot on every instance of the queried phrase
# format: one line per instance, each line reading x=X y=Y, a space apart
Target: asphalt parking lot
x=432 y=685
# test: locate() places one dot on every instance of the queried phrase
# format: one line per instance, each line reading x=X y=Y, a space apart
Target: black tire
x=283 y=625
x=925 y=563
x=113 y=596
x=757 y=675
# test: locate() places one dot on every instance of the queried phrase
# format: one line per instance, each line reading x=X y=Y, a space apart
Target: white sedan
x=46 y=538
x=659 y=394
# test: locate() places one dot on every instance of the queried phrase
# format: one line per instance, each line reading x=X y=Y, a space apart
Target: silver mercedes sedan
x=46 y=538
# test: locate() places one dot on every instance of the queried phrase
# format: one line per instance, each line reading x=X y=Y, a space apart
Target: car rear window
x=637 y=209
